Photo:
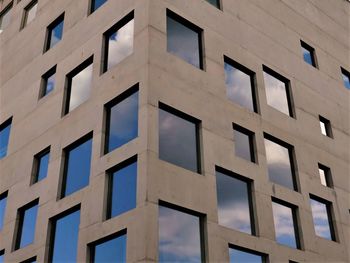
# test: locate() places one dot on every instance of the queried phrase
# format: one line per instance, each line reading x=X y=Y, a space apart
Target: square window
x=234 y=201
x=244 y=143
x=215 y=3
x=95 y=4
x=179 y=138
x=48 y=81
x=325 y=175
x=122 y=119
x=5 y=129
x=278 y=92
x=240 y=85
x=3 y=201
x=118 y=42
x=239 y=254
x=77 y=162
x=326 y=128
x=184 y=39
x=308 y=54
x=40 y=165
x=78 y=85
x=29 y=13
x=122 y=181
x=5 y=17
x=346 y=78
x=54 y=33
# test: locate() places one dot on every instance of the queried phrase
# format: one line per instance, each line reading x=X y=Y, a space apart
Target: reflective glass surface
x=323 y=177
x=346 y=80
x=49 y=82
x=3 y=199
x=243 y=145
x=323 y=128
x=42 y=166
x=30 y=13
x=214 y=3
x=5 y=19
x=307 y=55
x=5 y=129
x=320 y=218
x=55 y=34
x=2 y=252
x=113 y=251
x=239 y=256
x=27 y=230
x=233 y=203
x=96 y=4
x=179 y=236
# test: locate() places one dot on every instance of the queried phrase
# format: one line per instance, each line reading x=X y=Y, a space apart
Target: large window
x=3 y=201
x=243 y=255
x=48 y=81
x=181 y=235
x=5 y=17
x=244 y=143
x=122 y=119
x=184 y=39
x=5 y=129
x=179 y=138
x=40 y=165
x=325 y=175
x=77 y=162
x=29 y=13
x=54 y=33
x=118 y=42
x=95 y=4
x=346 y=78
x=234 y=201
x=308 y=52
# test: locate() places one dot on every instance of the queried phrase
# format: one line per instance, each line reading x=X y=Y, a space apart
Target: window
x=181 y=235
x=48 y=81
x=325 y=175
x=5 y=17
x=78 y=87
x=285 y=221
x=109 y=249
x=215 y=3
x=240 y=84
x=322 y=217
x=76 y=171
x=122 y=119
x=122 y=181
x=326 y=128
x=2 y=253
x=308 y=54
x=243 y=255
x=5 y=129
x=118 y=42
x=244 y=143
x=234 y=201
x=280 y=162
x=184 y=39
x=3 y=201
x=26 y=221
x=30 y=260
x=40 y=165
x=278 y=93
x=61 y=248
x=29 y=13
x=95 y=4
x=179 y=138
x=346 y=78
x=54 y=33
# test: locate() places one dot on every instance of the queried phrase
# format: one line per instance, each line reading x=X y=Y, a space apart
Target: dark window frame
x=49 y=29
x=3 y=196
x=29 y=260
x=328 y=174
x=44 y=80
x=328 y=126
x=91 y=6
x=37 y=163
x=218 y=4
x=264 y=257
x=2 y=252
x=312 y=53
x=252 y=141
x=4 y=125
x=345 y=73
x=25 y=13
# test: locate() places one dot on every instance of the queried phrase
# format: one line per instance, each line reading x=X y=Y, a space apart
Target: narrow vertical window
x=5 y=129
x=346 y=78
x=40 y=165
x=48 y=81
x=308 y=53
x=215 y=3
x=118 y=42
x=54 y=33
x=325 y=175
x=3 y=202
x=326 y=128
x=243 y=255
x=122 y=119
x=29 y=13
x=95 y=4
x=5 y=17
x=244 y=143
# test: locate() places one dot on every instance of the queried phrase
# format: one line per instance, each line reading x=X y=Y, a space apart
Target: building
x=173 y=130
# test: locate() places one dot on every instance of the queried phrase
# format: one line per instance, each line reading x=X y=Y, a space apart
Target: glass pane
x=3 y=200
x=239 y=256
x=278 y=164
x=183 y=42
x=96 y=4
x=65 y=249
x=214 y=3
x=43 y=164
x=177 y=141
x=323 y=178
x=28 y=227
x=1 y=258
x=50 y=84
x=242 y=145
x=233 y=203
x=307 y=55
x=321 y=220
x=238 y=87
x=56 y=34
x=120 y=44
x=346 y=80
x=323 y=128
x=179 y=236
x=123 y=122
x=284 y=225
x=113 y=250
x=31 y=13
x=4 y=138
x=5 y=19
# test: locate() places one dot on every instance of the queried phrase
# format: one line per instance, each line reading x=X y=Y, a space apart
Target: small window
x=62 y=248
x=122 y=119
x=77 y=162
x=48 y=81
x=30 y=260
x=2 y=253
x=95 y=4
x=5 y=17
x=29 y=13
x=241 y=255
x=325 y=175
x=326 y=128
x=285 y=221
x=240 y=84
x=118 y=42
x=109 y=249
x=3 y=201
x=78 y=85
x=346 y=78
x=179 y=138
x=215 y=3
x=40 y=165
x=278 y=92
x=179 y=230
x=184 y=39
x=122 y=181
x=26 y=221
x=308 y=54
x=5 y=129
x=244 y=143
x=54 y=33
x=234 y=201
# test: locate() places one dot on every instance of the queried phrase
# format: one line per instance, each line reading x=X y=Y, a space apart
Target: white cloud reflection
x=320 y=218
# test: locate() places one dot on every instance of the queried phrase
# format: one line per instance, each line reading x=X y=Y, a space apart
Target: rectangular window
x=241 y=255
x=285 y=221
x=184 y=39
x=26 y=221
x=215 y=3
x=325 y=175
x=234 y=201
x=179 y=138
x=77 y=162
x=179 y=230
x=48 y=81
x=244 y=143
x=122 y=119
x=240 y=84
x=29 y=13
x=109 y=249
x=78 y=85
x=346 y=78
x=5 y=129
x=64 y=231
x=121 y=194
x=3 y=201
x=278 y=92
x=118 y=42
x=40 y=165
x=95 y=4
x=54 y=33
x=326 y=128
x=280 y=162
x=308 y=54
x=2 y=253
x=30 y=260
x=5 y=17
x=322 y=217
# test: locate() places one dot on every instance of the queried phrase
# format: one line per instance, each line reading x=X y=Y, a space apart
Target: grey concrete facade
x=253 y=33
